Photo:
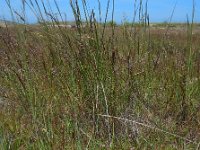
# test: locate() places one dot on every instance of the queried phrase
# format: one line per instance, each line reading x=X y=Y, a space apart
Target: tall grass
x=99 y=86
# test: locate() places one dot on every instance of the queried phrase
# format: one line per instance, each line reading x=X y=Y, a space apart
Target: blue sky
x=159 y=10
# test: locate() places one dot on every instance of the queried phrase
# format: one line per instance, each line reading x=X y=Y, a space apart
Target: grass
x=98 y=87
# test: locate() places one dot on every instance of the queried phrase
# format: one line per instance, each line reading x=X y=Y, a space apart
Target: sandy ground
x=2 y=24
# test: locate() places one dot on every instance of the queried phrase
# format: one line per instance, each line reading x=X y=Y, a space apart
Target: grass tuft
x=98 y=85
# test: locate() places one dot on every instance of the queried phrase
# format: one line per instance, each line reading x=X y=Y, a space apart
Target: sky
x=158 y=10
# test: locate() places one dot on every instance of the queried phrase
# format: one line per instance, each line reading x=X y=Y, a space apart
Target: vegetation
x=98 y=87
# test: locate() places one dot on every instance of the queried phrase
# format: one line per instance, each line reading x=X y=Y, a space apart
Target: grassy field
x=99 y=87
